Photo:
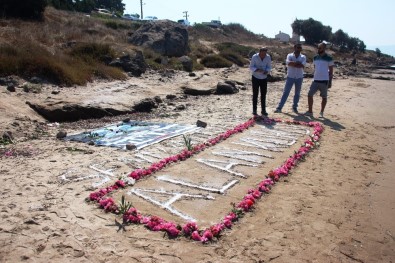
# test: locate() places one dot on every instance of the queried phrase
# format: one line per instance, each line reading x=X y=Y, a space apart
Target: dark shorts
x=322 y=86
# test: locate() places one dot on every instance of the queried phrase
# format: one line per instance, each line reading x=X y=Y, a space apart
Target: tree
x=340 y=39
x=378 y=52
x=361 y=46
x=32 y=9
x=313 y=31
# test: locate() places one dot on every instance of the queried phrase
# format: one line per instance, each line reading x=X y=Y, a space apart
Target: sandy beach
x=336 y=206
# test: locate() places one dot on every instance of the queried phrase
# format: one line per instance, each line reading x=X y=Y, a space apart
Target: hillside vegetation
x=71 y=48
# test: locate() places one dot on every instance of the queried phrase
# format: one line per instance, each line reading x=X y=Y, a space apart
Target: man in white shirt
x=323 y=73
x=260 y=67
x=295 y=63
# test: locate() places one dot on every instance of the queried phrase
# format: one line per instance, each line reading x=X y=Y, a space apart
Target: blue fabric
x=287 y=89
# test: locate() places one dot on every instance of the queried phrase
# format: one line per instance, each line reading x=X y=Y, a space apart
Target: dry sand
x=337 y=206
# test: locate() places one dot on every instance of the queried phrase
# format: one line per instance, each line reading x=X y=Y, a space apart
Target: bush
x=235 y=58
x=30 y=60
x=215 y=61
x=92 y=51
x=31 y=9
x=115 y=25
x=234 y=48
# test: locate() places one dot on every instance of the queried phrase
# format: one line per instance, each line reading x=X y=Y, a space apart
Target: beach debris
x=201 y=124
x=130 y=147
x=61 y=134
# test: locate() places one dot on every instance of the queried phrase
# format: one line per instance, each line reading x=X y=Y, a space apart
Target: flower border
x=190 y=229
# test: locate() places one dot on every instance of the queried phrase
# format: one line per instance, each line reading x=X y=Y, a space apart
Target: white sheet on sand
x=138 y=133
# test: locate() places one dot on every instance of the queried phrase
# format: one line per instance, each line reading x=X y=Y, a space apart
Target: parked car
x=183 y=22
x=213 y=23
x=130 y=17
x=103 y=11
x=150 y=18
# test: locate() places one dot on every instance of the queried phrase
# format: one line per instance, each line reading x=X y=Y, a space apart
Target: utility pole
x=186 y=15
x=141 y=6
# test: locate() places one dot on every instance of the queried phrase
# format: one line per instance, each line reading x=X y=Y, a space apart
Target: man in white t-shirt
x=323 y=73
x=295 y=64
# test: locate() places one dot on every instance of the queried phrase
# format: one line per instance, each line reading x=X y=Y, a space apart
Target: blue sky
x=370 y=20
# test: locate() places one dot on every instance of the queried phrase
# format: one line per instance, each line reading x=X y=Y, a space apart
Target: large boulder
x=163 y=36
x=135 y=66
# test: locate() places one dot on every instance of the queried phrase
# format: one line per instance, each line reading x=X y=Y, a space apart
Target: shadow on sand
x=325 y=121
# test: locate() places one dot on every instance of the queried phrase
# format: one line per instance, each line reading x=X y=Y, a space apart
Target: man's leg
x=287 y=89
x=323 y=104
x=312 y=91
x=298 y=88
x=310 y=101
x=255 y=91
x=263 y=85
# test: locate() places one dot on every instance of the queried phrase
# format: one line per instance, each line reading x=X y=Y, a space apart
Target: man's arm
x=330 y=77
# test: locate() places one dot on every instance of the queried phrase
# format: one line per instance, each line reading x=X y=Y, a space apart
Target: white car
x=183 y=22
x=150 y=18
x=103 y=11
x=130 y=17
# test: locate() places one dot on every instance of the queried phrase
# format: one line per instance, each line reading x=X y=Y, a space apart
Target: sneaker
x=295 y=110
x=264 y=113
x=277 y=111
x=308 y=113
x=321 y=115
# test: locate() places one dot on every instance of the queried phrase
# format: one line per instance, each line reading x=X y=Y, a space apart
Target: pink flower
x=207 y=236
x=172 y=231
x=216 y=229
x=120 y=183
x=227 y=223
x=195 y=236
x=189 y=228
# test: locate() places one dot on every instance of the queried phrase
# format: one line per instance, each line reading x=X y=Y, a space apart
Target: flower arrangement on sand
x=131 y=215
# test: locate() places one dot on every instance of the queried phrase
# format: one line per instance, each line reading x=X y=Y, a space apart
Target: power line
x=186 y=15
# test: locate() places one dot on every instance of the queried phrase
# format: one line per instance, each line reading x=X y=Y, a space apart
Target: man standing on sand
x=260 y=66
x=295 y=63
x=323 y=74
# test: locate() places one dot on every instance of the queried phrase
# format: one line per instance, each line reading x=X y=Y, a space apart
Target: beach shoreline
x=337 y=206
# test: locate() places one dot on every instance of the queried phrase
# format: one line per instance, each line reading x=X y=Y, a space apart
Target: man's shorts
x=320 y=85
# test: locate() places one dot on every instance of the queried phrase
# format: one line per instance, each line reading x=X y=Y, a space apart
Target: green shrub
x=29 y=60
x=234 y=57
x=230 y=47
x=92 y=51
x=215 y=61
x=115 y=25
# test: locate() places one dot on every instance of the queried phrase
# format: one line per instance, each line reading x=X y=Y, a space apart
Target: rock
x=130 y=147
x=181 y=107
x=171 y=96
x=61 y=134
x=158 y=99
x=58 y=112
x=55 y=92
x=36 y=80
x=272 y=78
x=11 y=87
x=145 y=105
x=126 y=120
x=192 y=74
x=224 y=88
x=7 y=136
x=187 y=63
x=165 y=37
x=197 y=91
x=135 y=66
x=202 y=124
x=91 y=143
x=8 y=80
